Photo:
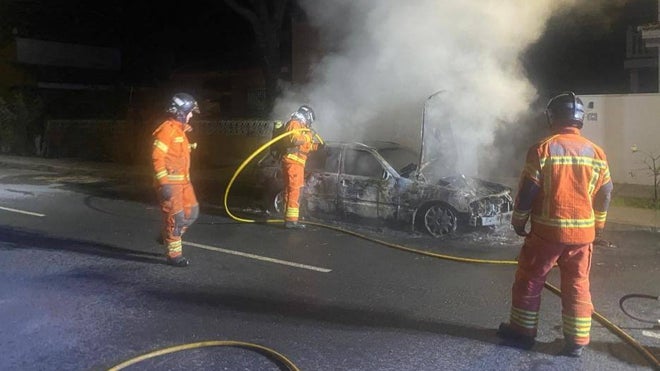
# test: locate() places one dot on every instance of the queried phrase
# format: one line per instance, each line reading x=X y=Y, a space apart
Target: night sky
x=581 y=49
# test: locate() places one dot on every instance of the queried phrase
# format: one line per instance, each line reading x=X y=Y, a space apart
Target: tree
x=266 y=19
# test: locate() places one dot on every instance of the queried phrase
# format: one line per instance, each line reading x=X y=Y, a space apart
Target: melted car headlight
x=490 y=206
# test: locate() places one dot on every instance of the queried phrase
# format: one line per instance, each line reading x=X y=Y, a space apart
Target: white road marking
x=21 y=211
x=651 y=334
x=259 y=257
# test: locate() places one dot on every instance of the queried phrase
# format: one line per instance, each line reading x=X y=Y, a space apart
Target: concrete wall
x=617 y=122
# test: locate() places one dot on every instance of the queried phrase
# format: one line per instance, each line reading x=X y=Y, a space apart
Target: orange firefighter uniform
x=564 y=191
x=293 y=167
x=171 y=164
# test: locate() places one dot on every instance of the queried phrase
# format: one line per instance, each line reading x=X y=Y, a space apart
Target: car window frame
x=387 y=168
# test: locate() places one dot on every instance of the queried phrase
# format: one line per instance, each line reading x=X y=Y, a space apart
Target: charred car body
x=379 y=182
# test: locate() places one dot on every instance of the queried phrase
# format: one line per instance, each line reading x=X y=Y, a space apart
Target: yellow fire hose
x=598 y=317
x=212 y=343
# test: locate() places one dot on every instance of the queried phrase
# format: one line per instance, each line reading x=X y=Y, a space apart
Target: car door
x=320 y=191
x=364 y=185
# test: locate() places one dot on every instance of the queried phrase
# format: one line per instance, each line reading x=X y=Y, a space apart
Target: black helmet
x=182 y=104
x=566 y=109
x=306 y=114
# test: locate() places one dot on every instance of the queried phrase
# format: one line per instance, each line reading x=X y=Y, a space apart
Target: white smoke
x=384 y=58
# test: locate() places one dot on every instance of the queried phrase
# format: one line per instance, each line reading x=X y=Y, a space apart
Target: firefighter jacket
x=564 y=188
x=300 y=144
x=171 y=153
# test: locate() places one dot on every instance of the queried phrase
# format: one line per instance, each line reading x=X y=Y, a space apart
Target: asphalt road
x=83 y=286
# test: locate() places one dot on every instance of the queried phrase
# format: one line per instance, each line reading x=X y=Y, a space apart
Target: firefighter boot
x=293 y=225
x=514 y=338
x=572 y=350
x=179 y=261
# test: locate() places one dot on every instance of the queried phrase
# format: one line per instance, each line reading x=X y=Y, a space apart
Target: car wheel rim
x=439 y=220
x=278 y=202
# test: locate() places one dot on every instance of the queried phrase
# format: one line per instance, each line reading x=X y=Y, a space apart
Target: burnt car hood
x=459 y=190
x=473 y=187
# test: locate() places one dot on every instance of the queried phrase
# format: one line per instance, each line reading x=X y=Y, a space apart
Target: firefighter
x=293 y=163
x=171 y=164
x=564 y=191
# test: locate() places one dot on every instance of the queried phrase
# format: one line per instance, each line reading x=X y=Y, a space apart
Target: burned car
x=379 y=182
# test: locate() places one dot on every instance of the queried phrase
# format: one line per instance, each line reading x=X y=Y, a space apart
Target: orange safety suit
x=171 y=163
x=293 y=167
x=564 y=189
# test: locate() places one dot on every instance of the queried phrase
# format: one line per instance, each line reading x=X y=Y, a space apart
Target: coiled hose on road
x=598 y=317
x=639 y=296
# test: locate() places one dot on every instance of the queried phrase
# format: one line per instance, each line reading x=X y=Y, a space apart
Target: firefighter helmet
x=305 y=114
x=565 y=109
x=182 y=104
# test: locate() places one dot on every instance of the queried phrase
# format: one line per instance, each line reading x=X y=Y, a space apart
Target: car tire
x=437 y=219
x=275 y=203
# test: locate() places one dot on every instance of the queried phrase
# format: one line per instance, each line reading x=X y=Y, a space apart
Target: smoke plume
x=384 y=58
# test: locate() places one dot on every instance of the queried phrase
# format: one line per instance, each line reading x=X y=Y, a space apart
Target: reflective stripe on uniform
x=161 y=146
x=564 y=223
x=576 y=326
x=292 y=212
x=574 y=160
x=174 y=246
x=161 y=174
x=524 y=318
x=177 y=140
x=532 y=172
x=176 y=177
x=520 y=215
x=600 y=216
x=293 y=157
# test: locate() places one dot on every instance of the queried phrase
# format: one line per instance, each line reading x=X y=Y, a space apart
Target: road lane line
x=21 y=211
x=259 y=257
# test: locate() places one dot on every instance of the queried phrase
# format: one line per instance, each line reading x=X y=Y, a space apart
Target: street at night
x=87 y=287
x=330 y=185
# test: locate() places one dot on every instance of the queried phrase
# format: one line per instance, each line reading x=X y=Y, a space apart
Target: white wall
x=616 y=122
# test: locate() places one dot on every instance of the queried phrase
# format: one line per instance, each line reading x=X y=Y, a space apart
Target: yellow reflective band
x=600 y=216
x=176 y=177
x=520 y=215
x=161 y=146
x=577 y=331
x=292 y=211
x=574 y=160
x=527 y=313
x=564 y=223
x=592 y=182
x=295 y=158
x=532 y=172
x=524 y=318
x=174 y=246
x=177 y=140
x=161 y=174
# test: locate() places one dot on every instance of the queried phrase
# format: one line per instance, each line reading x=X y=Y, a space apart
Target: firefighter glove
x=166 y=191
x=599 y=233
x=520 y=230
x=600 y=241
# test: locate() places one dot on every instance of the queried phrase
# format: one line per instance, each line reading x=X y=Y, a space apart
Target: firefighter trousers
x=294 y=180
x=179 y=212
x=537 y=258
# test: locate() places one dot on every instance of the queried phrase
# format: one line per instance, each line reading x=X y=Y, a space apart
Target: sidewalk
x=618 y=215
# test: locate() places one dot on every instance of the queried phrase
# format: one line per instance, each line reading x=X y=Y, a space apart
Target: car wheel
x=276 y=203
x=438 y=220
